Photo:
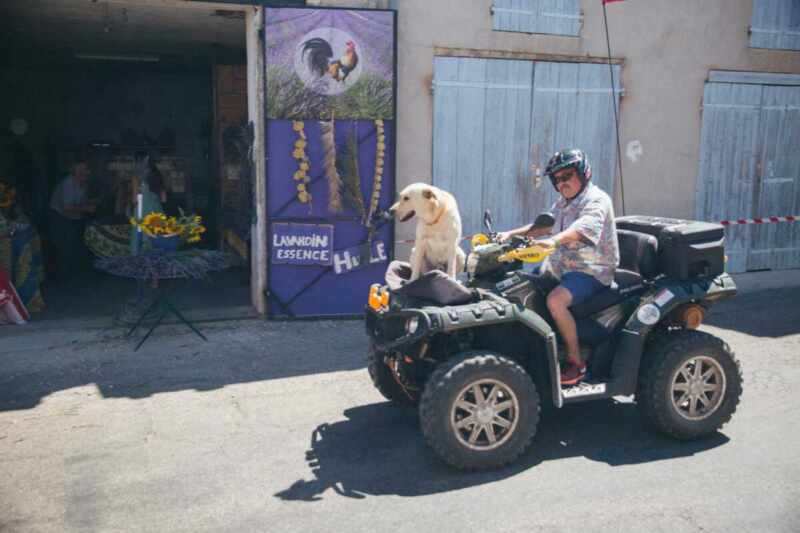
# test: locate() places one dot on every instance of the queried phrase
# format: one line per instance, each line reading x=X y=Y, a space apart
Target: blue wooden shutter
x=556 y=17
x=777 y=189
x=728 y=156
x=459 y=108
x=775 y=24
x=572 y=107
x=750 y=165
x=481 y=132
x=496 y=120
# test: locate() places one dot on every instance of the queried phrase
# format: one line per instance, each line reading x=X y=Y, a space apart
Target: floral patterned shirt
x=591 y=214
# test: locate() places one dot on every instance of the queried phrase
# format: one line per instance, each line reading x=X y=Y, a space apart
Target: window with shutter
x=775 y=24
x=555 y=17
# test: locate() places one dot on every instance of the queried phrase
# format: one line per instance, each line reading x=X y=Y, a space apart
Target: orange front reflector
x=374 y=299
x=378 y=299
x=693 y=316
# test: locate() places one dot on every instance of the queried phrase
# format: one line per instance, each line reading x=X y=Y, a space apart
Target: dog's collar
x=437 y=218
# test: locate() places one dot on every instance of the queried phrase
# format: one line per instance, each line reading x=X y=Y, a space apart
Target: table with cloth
x=156 y=266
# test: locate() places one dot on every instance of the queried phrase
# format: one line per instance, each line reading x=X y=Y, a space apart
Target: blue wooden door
x=750 y=166
x=777 y=191
x=496 y=122
x=726 y=180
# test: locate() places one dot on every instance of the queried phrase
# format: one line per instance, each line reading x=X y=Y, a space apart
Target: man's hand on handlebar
x=516 y=238
x=503 y=236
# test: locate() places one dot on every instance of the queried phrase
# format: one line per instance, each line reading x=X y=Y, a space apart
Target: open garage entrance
x=119 y=90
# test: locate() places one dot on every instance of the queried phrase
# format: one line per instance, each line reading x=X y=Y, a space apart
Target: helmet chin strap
x=584 y=183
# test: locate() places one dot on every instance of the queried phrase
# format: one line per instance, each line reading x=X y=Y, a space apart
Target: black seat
x=638 y=253
x=638 y=260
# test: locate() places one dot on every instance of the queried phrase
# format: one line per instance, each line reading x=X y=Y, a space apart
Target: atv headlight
x=412 y=324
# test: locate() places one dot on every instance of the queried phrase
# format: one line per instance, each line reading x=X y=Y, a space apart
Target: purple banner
x=302 y=244
x=330 y=83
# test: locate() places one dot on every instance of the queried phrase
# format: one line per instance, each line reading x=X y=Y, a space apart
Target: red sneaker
x=573 y=374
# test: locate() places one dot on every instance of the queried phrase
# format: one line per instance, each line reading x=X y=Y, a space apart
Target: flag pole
x=614 y=105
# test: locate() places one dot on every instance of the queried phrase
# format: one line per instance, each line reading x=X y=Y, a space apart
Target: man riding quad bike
x=481 y=358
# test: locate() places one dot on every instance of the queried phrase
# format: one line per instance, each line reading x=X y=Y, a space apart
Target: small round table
x=158 y=265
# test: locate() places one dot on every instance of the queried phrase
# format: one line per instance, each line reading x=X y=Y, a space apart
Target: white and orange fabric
x=12 y=310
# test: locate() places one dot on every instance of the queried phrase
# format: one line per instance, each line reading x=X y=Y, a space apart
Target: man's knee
x=559 y=299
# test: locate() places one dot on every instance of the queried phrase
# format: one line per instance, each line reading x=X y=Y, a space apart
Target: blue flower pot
x=168 y=244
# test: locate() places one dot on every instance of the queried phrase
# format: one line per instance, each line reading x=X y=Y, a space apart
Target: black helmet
x=571 y=157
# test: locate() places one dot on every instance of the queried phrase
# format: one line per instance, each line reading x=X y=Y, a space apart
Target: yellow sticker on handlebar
x=531 y=254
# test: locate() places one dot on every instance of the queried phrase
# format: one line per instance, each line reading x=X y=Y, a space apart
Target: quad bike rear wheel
x=689 y=385
x=479 y=410
x=386 y=382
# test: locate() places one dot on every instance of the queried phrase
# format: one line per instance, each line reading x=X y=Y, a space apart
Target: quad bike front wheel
x=386 y=382
x=690 y=385
x=479 y=410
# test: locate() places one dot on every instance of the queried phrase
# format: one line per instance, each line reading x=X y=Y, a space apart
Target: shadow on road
x=176 y=360
x=380 y=450
x=772 y=313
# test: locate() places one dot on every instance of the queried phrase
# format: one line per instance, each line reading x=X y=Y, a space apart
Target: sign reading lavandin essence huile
x=302 y=244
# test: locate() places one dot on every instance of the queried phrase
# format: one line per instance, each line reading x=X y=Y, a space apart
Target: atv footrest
x=586 y=390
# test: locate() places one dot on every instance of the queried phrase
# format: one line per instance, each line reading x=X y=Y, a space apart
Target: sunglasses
x=565 y=177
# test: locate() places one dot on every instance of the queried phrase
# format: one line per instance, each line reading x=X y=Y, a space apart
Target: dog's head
x=418 y=199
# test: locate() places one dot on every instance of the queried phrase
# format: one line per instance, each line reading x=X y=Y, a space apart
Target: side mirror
x=487 y=220
x=544 y=220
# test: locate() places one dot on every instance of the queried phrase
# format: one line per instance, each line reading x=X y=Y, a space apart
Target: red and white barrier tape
x=412 y=241
x=763 y=220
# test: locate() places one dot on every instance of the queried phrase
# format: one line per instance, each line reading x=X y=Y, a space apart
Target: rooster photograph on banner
x=324 y=63
x=318 y=54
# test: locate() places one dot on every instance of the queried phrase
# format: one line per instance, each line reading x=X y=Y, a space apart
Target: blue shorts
x=581 y=286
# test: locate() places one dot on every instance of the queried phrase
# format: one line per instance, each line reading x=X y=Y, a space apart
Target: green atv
x=482 y=357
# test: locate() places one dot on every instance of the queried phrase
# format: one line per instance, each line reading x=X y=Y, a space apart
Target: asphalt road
x=275 y=427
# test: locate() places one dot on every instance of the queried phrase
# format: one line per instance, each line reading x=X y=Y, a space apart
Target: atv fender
x=655 y=305
x=492 y=312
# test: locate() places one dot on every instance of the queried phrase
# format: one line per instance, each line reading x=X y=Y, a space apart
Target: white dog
x=438 y=229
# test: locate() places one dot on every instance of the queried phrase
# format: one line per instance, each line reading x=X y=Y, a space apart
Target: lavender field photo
x=329 y=63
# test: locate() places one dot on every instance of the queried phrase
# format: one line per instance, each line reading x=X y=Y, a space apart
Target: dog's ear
x=428 y=194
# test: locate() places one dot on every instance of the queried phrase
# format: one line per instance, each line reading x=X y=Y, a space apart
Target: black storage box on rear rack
x=686 y=248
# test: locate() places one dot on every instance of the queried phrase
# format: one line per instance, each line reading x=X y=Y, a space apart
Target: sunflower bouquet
x=191 y=226
x=158 y=225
